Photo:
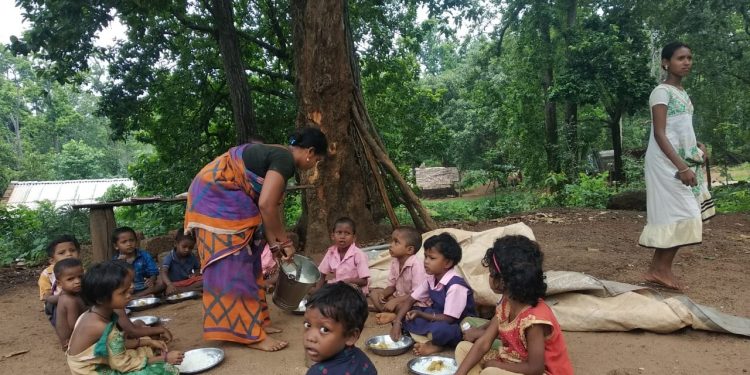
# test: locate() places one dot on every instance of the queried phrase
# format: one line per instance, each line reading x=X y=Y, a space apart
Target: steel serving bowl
x=148 y=320
x=198 y=360
x=183 y=296
x=385 y=346
x=139 y=304
x=443 y=365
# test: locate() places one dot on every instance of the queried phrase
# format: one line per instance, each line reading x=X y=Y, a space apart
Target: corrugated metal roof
x=61 y=193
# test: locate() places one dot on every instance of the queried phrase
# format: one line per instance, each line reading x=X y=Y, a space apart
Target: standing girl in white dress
x=677 y=196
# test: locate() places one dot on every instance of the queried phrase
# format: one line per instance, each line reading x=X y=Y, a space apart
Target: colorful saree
x=108 y=356
x=222 y=209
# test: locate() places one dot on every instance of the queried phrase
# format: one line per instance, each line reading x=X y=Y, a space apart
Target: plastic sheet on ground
x=582 y=302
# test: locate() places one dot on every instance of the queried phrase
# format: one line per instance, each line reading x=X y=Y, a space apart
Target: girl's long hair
x=516 y=261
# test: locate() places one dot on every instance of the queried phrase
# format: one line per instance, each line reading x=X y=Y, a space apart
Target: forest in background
x=492 y=87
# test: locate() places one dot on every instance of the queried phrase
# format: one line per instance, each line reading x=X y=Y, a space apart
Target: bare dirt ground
x=600 y=243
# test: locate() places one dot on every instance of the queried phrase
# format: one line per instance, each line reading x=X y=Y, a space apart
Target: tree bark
x=329 y=96
x=571 y=105
x=324 y=98
x=550 y=107
x=231 y=52
x=615 y=127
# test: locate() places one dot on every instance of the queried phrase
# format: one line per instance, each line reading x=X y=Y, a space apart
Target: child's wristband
x=138 y=343
x=165 y=355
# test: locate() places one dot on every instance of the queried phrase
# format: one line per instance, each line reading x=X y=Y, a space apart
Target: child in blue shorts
x=146 y=279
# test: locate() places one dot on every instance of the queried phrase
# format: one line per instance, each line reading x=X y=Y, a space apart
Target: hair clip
x=292 y=141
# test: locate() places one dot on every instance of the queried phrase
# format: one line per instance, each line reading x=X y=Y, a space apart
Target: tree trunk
x=615 y=127
x=239 y=90
x=550 y=107
x=324 y=95
x=329 y=96
x=571 y=106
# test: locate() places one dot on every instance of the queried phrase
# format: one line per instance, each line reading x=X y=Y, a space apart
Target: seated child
x=139 y=329
x=405 y=275
x=180 y=270
x=334 y=319
x=63 y=247
x=97 y=345
x=449 y=298
x=70 y=306
x=146 y=281
x=531 y=339
x=344 y=261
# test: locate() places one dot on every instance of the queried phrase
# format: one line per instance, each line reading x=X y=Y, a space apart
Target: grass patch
x=504 y=203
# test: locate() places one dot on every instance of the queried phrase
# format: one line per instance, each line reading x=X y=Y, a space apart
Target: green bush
x=25 y=232
x=503 y=203
x=732 y=198
x=588 y=191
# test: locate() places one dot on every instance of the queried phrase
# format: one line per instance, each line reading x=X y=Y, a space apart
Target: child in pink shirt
x=406 y=272
x=451 y=299
x=344 y=261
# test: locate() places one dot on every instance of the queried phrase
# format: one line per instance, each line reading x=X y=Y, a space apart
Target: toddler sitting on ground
x=405 y=275
x=63 y=247
x=344 y=261
x=68 y=273
x=180 y=270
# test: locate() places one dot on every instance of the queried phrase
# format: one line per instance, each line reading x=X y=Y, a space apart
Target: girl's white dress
x=675 y=212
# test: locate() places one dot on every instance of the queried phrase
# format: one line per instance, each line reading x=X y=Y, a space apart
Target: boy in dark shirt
x=180 y=270
x=334 y=319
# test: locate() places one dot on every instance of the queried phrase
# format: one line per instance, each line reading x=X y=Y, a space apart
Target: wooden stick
x=405 y=189
x=375 y=170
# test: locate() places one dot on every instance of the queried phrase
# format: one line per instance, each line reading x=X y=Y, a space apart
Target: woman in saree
x=228 y=201
x=677 y=196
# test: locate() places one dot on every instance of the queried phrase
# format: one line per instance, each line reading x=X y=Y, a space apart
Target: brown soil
x=600 y=243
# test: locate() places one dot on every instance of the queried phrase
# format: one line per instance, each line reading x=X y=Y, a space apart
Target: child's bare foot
x=426 y=348
x=384 y=318
x=269 y=345
x=271 y=330
x=666 y=281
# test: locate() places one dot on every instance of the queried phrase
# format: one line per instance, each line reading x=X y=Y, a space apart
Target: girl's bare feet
x=269 y=345
x=426 y=348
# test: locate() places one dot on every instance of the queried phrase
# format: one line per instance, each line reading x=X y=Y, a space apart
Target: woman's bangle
x=280 y=245
x=433 y=316
x=165 y=355
x=684 y=170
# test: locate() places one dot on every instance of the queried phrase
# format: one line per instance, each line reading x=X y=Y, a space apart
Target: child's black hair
x=411 y=236
x=347 y=221
x=65 y=264
x=101 y=280
x=446 y=245
x=181 y=235
x=343 y=303
x=517 y=261
x=118 y=231
x=310 y=137
x=62 y=239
